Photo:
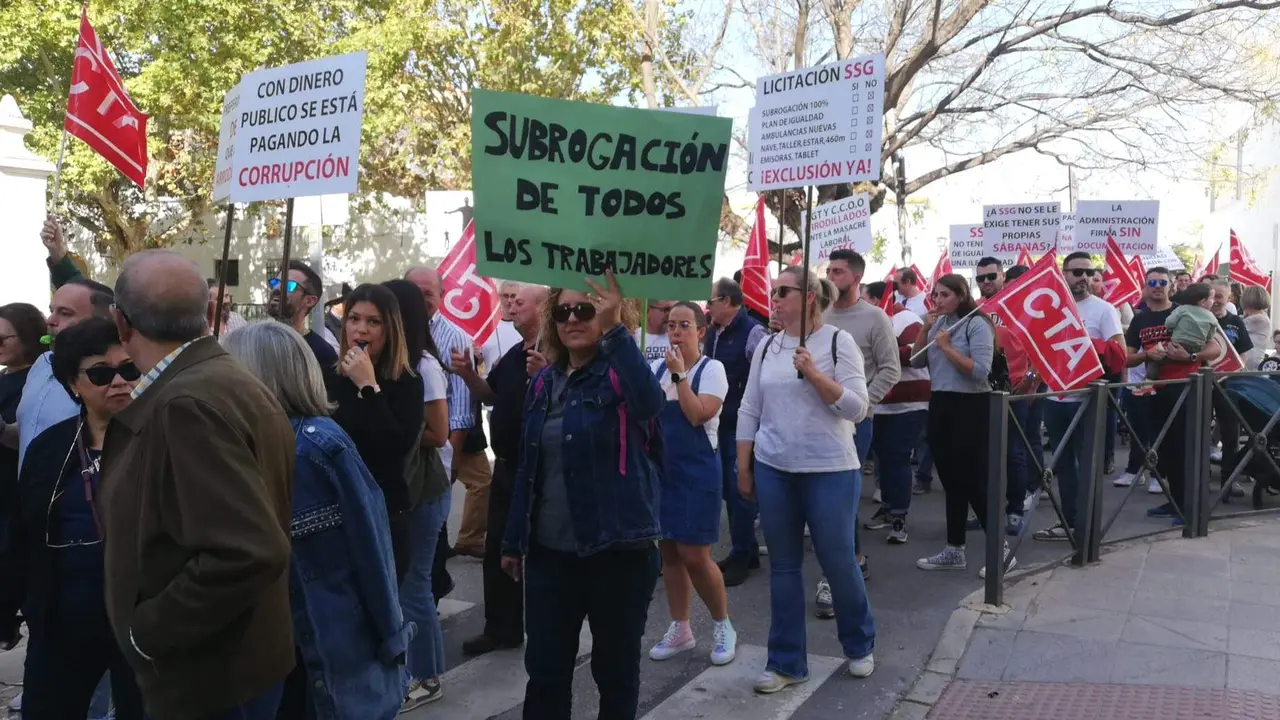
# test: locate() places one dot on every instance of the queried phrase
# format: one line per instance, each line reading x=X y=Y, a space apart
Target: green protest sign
x=565 y=189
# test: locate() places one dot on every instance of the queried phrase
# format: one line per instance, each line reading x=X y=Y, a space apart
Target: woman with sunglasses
x=584 y=510
x=695 y=387
x=797 y=458
x=51 y=561
x=379 y=403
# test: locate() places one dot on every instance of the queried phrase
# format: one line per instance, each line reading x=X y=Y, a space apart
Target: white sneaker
x=1154 y=488
x=806 y=529
x=875 y=497
x=1124 y=480
x=726 y=639
x=678 y=639
x=862 y=667
x=951 y=558
x=15 y=705
x=1029 y=502
x=1215 y=456
x=771 y=682
x=1013 y=563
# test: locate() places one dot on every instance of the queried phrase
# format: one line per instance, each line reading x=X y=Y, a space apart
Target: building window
x=233 y=272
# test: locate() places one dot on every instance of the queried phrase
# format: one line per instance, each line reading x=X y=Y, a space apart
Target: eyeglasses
x=783 y=290
x=584 y=311
x=123 y=314
x=1157 y=283
x=714 y=300
x=989 y=277
x=679 y=325
x=1082 y=272
x=102 y=375
x=274 y=284
x=664 y=309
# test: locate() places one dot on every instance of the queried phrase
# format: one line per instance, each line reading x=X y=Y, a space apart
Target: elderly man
x=195 y=508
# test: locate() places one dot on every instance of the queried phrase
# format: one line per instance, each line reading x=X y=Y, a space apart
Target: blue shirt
x=45 y=403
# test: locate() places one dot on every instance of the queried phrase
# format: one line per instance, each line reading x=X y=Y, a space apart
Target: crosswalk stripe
x=726 y=691
x=486 y=686
x=448 y=608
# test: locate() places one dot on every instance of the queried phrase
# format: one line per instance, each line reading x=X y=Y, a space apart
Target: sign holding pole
x=566 y=189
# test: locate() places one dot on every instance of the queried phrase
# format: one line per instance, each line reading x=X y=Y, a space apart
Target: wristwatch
x=1194 y=358
x=368 y=391
x=675 y=378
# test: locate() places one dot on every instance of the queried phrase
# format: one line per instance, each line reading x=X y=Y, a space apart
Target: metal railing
x=1197 y=398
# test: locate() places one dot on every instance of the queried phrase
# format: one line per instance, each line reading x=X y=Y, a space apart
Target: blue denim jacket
x=612 y=447
x=346 y=608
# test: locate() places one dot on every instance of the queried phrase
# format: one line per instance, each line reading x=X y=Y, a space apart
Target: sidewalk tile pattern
x=979 y=700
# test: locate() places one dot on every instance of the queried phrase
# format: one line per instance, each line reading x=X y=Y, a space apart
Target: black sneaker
x=879 y=521
x=420 y=693
x=1110 y=465
x=736 y=569
x=865 y=568
x=898 y=534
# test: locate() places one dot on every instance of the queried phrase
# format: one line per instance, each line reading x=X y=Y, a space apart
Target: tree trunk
x=646 y=59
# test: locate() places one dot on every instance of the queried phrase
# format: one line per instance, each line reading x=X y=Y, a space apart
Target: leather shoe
x=481 y=644
x=468 y=552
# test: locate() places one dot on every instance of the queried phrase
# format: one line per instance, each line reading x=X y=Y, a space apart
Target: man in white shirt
x=1102 y=322
x=505 y=336
x=655 y=330
x=911 y=292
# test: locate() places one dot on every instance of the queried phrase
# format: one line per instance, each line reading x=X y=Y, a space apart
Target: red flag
x=1213 y=268
x=921 y=280
x=1243 y=268
x=1039 y=310
x=942 y=268
x=1024 y=258
x=755 y=267
x=100 y=112
x=886 y=300
x=1138 y=268
x=1120 y=286
x=467 y=300
x=1197 y=267
x=1230 y=360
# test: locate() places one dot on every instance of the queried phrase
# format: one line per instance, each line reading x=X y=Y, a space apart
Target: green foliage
x=1186 y=254
x=179 y=57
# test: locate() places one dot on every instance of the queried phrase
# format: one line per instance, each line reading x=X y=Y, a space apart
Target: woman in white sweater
x=796 y=456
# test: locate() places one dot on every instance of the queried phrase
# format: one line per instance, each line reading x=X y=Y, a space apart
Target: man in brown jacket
x=195 y=507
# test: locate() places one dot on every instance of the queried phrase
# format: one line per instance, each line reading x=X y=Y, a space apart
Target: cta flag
x=99 y=111
x=1024 y=258
x=1039 y=310
x=467 y=300
x=755 y=268
x=1120 y=286
x=1243 y=268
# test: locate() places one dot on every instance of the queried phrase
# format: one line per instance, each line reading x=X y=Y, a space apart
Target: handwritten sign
x=843 y=224
x=1067 y=243
x=299 y=129
x=966 y=246
x=566 y=189
x=1009 y=229
x=1134 y=223
x=224 y=167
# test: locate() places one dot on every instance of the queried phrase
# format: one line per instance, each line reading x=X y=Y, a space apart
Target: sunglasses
x=1082 y=272
x=681 y=325
x=584 y=311
x=783 y=290
x=989 y=277
x=274 y=284
x=102 y=375
x=1157 y=283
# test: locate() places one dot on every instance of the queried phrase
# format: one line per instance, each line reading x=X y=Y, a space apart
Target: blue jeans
x=426 y=649
x=742 y=512
x=1136 y=408
x=263 y=707
x=863 y=434
x=1018 y=466
x=100 y=704
x=895 y=437
x=827 y=502
x=1072 y=460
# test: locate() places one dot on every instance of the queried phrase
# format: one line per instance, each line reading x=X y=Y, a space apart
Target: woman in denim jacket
x=584 y=508
x=347 y=622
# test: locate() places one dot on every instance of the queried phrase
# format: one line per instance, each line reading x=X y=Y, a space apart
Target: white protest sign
x=843 y=224
x=818 y=125
x=299 y=131
x=966 y=246
x=1134 y=223
x=1165 y=258
x=223 y=166
x=1067 y=243
x=1006 y=229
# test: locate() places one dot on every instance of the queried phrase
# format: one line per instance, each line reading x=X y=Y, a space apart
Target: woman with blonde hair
x=350 y=632
x=1256 y=303
x=379 y=402
x=796 y=456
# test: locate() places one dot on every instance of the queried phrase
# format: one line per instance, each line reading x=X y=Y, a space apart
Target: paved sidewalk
x=1161 y=629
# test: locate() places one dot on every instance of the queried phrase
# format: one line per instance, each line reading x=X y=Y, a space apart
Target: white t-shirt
x=714 y=381
x=434 y=384
x=916 y=305
x=1101 y=321
x=655 y=346
x=504 y=337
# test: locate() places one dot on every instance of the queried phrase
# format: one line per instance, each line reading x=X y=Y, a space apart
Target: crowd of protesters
x=253 y=525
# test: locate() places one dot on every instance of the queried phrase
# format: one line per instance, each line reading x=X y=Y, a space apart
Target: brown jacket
x=195 y=506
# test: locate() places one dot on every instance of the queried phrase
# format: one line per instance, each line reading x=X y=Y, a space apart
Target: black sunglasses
x=989 y=277
x=584 y=311
x=1082 y=272
x=784 y=290
x=102 y=375
x=1157 y=283
x=274 y=284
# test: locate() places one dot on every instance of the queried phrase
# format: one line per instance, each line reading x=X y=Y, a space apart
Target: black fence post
x=1193 y=438
x=997 y=453
x=1089 y=503
x=1203 y=421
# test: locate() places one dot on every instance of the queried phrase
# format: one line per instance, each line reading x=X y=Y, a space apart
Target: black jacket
x=26 y=562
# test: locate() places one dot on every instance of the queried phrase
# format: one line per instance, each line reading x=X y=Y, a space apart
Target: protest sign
x=223 y=163
x=966 y=246
x=299 y=129
x=1009 y=229
x=1132 y=222
x=1039 y=309
x=843 y=224
x=1165 y=258
x=566 y=189
x=1067 y=236
x=818 y=125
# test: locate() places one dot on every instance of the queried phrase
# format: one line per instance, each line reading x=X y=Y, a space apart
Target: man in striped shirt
x=464 y=454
